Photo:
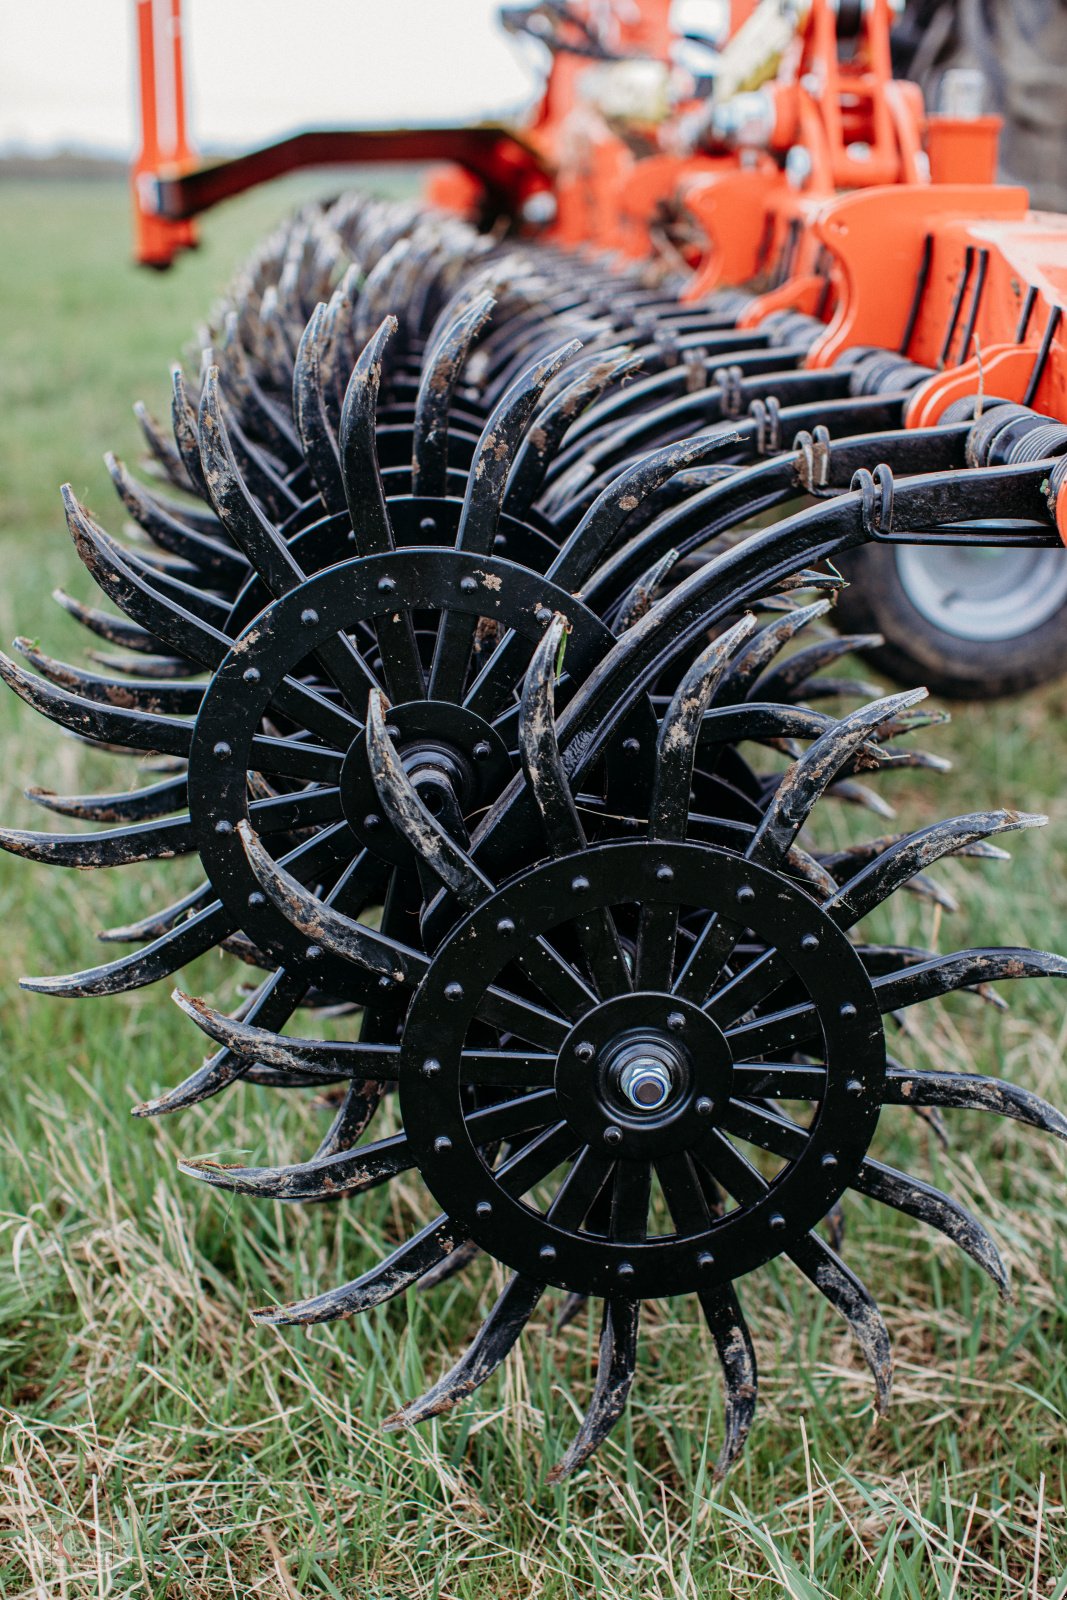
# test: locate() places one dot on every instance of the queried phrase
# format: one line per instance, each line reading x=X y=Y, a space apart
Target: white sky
x=256 y=68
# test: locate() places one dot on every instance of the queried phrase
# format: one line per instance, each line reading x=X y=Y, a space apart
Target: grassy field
x=156 y=1445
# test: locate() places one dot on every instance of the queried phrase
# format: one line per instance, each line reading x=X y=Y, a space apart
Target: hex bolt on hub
x=645 y=1080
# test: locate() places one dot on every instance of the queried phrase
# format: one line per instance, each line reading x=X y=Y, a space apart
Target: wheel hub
x=455 y=760
x=643 y=1076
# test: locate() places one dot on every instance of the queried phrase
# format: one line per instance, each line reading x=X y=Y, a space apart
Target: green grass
x=157 y=1445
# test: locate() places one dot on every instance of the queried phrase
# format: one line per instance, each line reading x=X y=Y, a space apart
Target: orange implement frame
x=164 y=148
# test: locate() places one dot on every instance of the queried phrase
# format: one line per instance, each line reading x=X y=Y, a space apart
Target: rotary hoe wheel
x=466 y=676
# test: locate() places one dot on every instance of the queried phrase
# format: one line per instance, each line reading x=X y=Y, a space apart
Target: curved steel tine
x=538 y=748
x=937 y=1210
x=807 y=780
x=547 y=779
x=615 y=1376
x=861 y=794
x=114 y=847
x=116 y=630
x=495 y=1338
x=346 y=1173
x=135 y=805
x=676 y=747
x=163 y=450
x=973 y=1091
x=101 y=724
x=791 y=677
x=273 y=1003
x=440 y=374
x=644 y=592
x=331 y=1059
x=244 y=520
x=404 y=1267
x=160 y=669
x=743 y=673
x=413 y=820
x=161 y=699
x=176 y=948
x=451 y=864
x=210 y=554
x=159 y=922
x=325 y=926
x=183 y=424
x=964 y=969
x=539 y=447
x=313 y=423
x=855 y=1303
x=737 y=1357
x=573 y=1306
x=600 y=527
x=479 y=519
x=163 y=619
x=909 y=854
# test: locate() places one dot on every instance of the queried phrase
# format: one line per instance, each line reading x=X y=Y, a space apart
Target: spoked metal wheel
x=642 y=1067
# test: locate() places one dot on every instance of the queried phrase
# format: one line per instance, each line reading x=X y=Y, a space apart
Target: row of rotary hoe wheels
x=493 y=729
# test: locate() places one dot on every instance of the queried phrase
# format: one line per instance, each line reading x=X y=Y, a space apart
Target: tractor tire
x=968 y=624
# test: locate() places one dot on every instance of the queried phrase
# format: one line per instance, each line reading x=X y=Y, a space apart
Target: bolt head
x=704 y=1106
x=612 y=1136
x=482 y=750
x=309 y=617
x=676 y=1022
x=453 y=991
x=584 y=1051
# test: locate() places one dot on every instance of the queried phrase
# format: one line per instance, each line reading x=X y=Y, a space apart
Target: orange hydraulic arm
x=164 y=148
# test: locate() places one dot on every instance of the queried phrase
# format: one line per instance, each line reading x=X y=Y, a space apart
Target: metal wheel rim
x=983 y=594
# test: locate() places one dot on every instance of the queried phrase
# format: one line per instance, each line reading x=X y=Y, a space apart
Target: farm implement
x=474 y=636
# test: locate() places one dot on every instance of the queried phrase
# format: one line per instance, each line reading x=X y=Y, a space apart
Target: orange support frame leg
x=164 y=151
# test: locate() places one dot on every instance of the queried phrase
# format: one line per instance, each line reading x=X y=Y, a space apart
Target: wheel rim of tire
x=983 y=594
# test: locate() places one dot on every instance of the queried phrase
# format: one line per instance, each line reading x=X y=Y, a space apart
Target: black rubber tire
x=916 y=651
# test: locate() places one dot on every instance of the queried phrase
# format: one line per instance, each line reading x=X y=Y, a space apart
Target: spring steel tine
x=898 y=864
x=937 y=1210
x=159 y=922
x=500 y=439
x=349 y=1172
x=162 y=698
x=163 y=450
x=161 y=669
x=644 y=592
x=164 y=956
x=313 y=423
x=860 y=794
x=676 y=749
x=914 y=852
x=413 y=820
x=398 y=1272
x=440 y=374
x=973 y=1091
x=450 y=863
x=272 y=1003
x=601 y=525
x=135 y=805
x=330 y=1059
x=183 y=423
x=236 y=506
x=789 y=680
x=116 y=847
x=963 y=969
x=116 y=630
x=848 y=1296
x=800 y=788
x=329 y=928
x=109 y=725
x=212 y=556
x=497 y=1336
x=749 y=664
x=359 y=449
x=543 y=767
x=482 y=508
x=737 y=1357
x=615 y=1375
x=556 y=417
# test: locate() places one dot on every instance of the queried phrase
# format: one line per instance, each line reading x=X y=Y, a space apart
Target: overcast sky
x=256 y=68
